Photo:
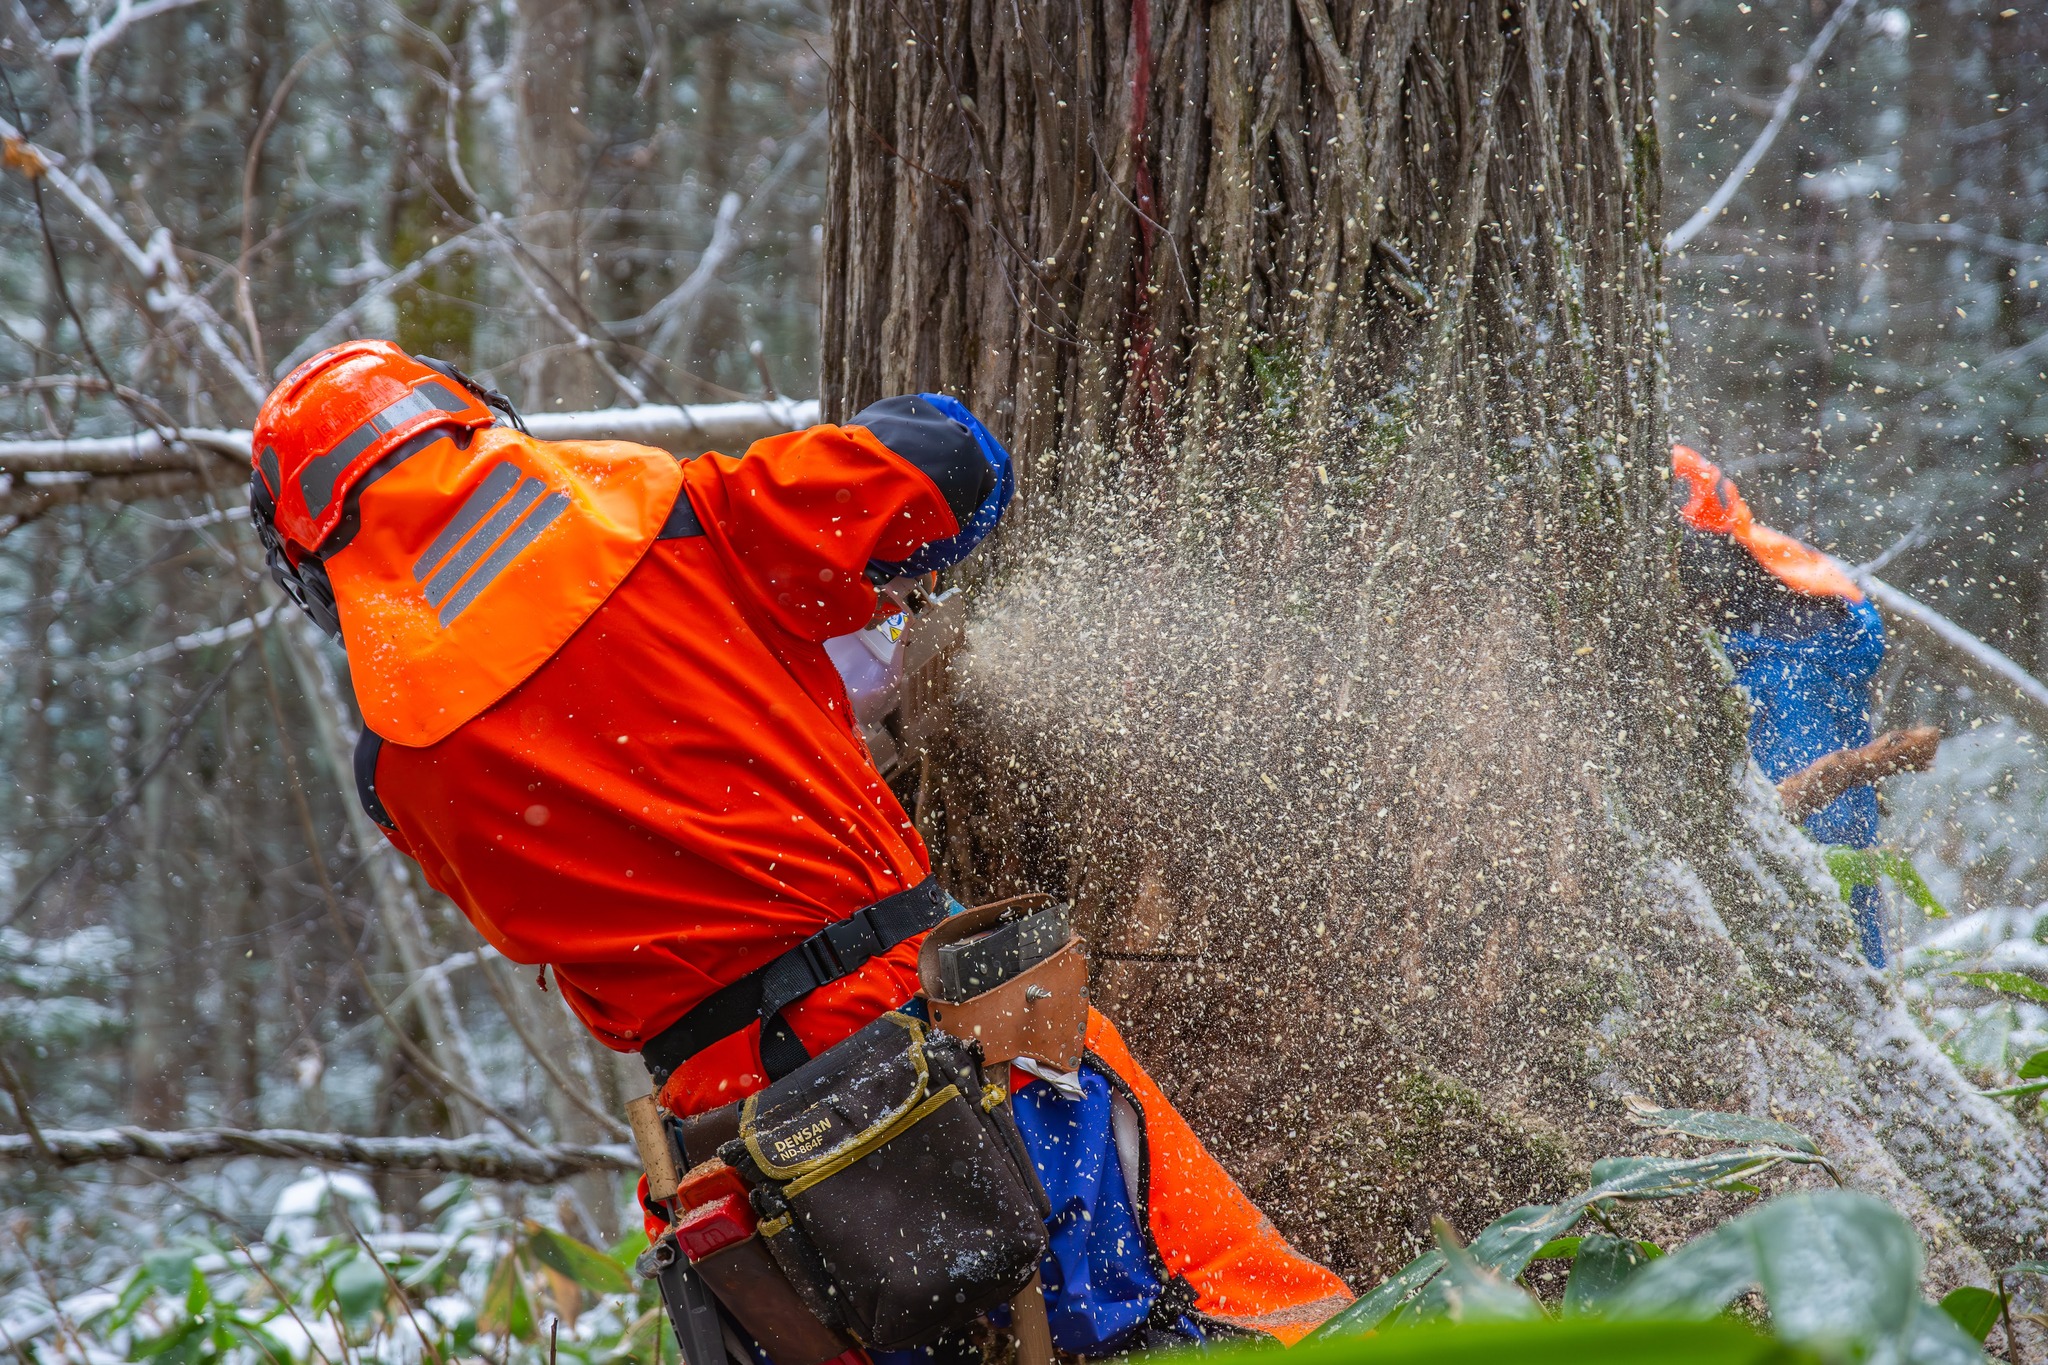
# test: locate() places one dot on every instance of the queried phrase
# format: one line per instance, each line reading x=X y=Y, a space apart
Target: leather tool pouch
x=1040 y=1013
x=892 y=1186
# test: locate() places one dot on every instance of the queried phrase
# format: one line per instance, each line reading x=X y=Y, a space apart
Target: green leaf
x=174 y=1344
x=1371 y=1309
x=1854 y=867
x=2035 y=1067
x=507 y=1309
x=1719 y=1127
x=2026 y=1268
x=1900 y=869
x=1579 y=1341
x=1558 y=1249
x=584 y=1264
x=170 y=1271
x=1603 y=1266
x=1975 y=1310
x=2007 y=983
x=2021 y=1090
x=359 y=1287
x=1832 y=1266
x=1469 y=1291
x=1932 y=1337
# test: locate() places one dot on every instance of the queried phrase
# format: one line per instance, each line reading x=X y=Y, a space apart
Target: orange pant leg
x=1206 y=1228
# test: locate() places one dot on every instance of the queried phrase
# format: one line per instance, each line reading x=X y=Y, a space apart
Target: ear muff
x=490 y=398
x=306 y=583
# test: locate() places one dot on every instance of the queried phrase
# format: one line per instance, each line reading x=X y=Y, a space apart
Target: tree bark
x=1333 y=662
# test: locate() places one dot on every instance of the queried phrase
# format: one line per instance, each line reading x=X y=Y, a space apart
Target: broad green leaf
x=1469 y=1291
x=2026 y=1268
x=584 y=1264
x=174 y=1344
x=2007 y=983
x=1900 y=869
x=629 y=1248
x=170 y=1271
x=1580 y=1341
x=507 y=1309
x=1931 y=1337
x=1558 y=1249
x=1374 y=1307
x=1604 y=1264
x=359 y=1287
x=2035 y=1067
x=1854 y=867
x=197 y=1295
x=1832 y=1266
x=1719 y=1127
x=1975 y=1310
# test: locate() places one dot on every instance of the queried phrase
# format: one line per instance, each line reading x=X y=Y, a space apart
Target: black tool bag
x=892 y=1185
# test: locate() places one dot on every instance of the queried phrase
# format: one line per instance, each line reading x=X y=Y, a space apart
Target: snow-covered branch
x=1928 y=631
x=687 y=430
x=154 y=266
x=186 y=644
x=473 y=1156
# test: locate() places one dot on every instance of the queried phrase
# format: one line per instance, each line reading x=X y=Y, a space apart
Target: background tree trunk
x=1334 y=663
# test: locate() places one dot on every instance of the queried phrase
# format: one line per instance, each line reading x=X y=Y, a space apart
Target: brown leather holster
x=1041 y=1013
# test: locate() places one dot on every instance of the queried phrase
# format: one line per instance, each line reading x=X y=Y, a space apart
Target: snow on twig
x=186 y=644
x=481 y=1157
x=1780 y=113
x=155 y=266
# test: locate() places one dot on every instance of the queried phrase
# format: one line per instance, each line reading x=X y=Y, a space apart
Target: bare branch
x=186 y=644
x=480 y=1157
x=154 y=266
x=1780 y=113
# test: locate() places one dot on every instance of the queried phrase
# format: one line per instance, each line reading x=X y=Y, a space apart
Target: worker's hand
x=1895 y=751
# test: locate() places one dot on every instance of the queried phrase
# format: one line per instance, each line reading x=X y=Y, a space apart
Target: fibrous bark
x=1333 y=661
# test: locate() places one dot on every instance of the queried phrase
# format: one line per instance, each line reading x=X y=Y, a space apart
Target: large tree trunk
x=1333 y=662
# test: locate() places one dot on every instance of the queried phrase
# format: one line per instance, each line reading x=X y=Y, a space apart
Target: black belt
x=838 y=950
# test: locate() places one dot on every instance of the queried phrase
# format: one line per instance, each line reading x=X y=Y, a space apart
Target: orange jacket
x=674 y=793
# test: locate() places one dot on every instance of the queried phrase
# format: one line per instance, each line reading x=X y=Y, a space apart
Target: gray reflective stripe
x=316 y=480
x=463 y=560
x=522 y=536
x=496 y=485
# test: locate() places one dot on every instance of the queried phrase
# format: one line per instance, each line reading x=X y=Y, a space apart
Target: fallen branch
x=1929 y=631
x=686 y=430
x=480 y=1157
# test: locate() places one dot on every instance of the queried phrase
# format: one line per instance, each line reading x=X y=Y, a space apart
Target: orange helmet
x=1712 y=505
x=334 y=418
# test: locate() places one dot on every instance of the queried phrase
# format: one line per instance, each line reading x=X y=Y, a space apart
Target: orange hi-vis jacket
x=639 y=766
x=601 y=716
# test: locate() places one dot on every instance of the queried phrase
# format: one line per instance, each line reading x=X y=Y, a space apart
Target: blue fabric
x=1098 y=1276
x=1810 y=697
x=944 y=554
x=1864 y=904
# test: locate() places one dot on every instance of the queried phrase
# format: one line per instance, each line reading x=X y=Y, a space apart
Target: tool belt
x=838 y=950
x=892 y=1185
x=889 y=1195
